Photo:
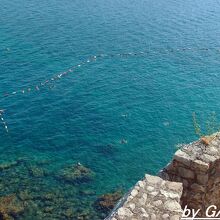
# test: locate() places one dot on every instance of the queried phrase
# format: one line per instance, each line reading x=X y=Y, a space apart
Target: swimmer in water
x=123 y=141
x=166 y=123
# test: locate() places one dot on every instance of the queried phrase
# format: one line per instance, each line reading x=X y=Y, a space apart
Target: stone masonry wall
x=197 y=166
x=151 y=198
x=192 y=178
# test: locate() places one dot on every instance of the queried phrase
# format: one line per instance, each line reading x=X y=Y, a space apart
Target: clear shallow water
x=75 y=120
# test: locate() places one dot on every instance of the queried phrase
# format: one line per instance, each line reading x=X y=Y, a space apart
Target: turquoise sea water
x=82 y=117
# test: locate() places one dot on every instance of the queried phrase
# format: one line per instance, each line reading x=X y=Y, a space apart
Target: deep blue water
x=80 y=116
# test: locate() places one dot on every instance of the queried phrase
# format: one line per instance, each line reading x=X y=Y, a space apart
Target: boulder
x=106 y=202
x=76 y=174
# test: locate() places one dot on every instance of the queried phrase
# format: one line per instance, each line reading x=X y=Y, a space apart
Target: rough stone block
x=124 y=212
x=172 y=205
x=134 y=192
x=153 y=180
x=174 y=186
x=200 y=166
x=186 y=173
x=202 y=179
x=197 y=188
x=182 y=157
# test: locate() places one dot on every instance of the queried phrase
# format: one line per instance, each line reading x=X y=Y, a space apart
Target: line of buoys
x=47 y=82
x=58 y=76
x=94 y=58
x=3 y=120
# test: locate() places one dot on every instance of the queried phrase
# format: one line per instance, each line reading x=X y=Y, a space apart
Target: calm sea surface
x=121 y=117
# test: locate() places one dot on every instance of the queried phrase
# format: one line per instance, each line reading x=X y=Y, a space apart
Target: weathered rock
x=186 y=173
x=5 y=166
x=165 y=216
x=172 y=206
x=153 y=180
x=202 y=178
x=107 y=201
x=10 y=207
x=122 y=212
x=182 y=157
x=36 y=171
x=158 y=196
x=132 y=206
x=76 y=174
x=134 y=192
x=174 y=186
x=175 y=217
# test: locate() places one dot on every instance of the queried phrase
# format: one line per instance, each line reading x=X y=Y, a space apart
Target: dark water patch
x=106 y=150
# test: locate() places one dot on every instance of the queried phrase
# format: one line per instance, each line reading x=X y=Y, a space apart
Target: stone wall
x=197 y=166
x=151 y=198
x=192 y=178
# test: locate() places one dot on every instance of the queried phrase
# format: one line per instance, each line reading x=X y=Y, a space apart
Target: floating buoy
x=3 y=120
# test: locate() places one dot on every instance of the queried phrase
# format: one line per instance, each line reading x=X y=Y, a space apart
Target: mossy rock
x=10 y=207
x=5 y=166
x=76 y=174
x=69 y=213
x=36 y=171
x=106 y=202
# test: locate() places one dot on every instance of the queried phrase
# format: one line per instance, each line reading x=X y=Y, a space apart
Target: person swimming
x=123 y=141
x=2 y=111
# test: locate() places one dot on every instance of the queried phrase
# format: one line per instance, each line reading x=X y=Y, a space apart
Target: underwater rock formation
x=107 y=150
x=76 y=174
x=106 y=202
x=36 y=171
x=10 y=207
x=5 y=166
x=28 y=190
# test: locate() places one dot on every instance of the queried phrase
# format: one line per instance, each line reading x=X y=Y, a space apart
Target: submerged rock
x=9 y=165
x=33 y=194
x=83 y=215
x=76 y=174
x=25 y=195
x=69 y=213
x=10 y=207
x=36 y=171
x=87 y=192
x=44 y=162
x=106 y=150
x=106 y=202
